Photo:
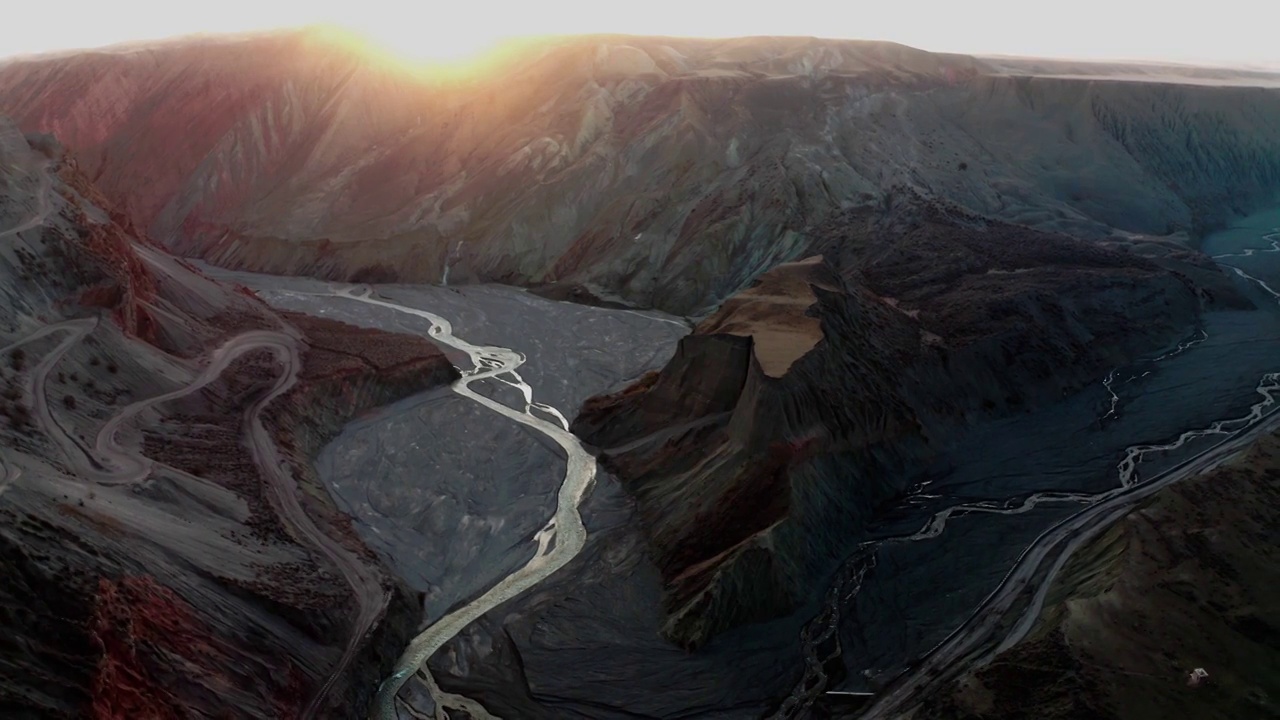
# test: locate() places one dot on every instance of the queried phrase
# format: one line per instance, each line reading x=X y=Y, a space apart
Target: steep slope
x=667 y=172
x=1188 y=581
x=165 y=550
x=788 y=416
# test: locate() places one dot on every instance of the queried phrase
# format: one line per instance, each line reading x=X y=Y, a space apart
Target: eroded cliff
x=759 y=453
x=664 y=172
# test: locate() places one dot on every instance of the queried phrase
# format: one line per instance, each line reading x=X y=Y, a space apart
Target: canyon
x=629 y=377
x=990 y=475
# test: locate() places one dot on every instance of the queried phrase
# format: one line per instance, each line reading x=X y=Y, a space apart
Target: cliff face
x=786 y=418
x=668 y=172
x=1181 y=583
x=153 y=565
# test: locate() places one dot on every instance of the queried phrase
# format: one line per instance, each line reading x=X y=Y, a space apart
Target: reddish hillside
x=160 y=559
x=668 y=172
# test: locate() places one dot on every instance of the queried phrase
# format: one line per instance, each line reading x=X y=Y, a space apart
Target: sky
x=1232 y=32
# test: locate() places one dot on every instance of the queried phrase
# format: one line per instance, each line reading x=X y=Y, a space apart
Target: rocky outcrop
x=663 y=172
x=758 y=454
x=181 y=589
x=53 y=675
x=145 y=632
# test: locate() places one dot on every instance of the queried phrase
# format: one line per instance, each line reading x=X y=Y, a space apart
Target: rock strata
x=177 y=589
x=658 y=172
x=759 y=452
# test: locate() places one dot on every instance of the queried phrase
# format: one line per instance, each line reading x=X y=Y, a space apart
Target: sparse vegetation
x=18 y=414
x=69 y=402
x=18 y=359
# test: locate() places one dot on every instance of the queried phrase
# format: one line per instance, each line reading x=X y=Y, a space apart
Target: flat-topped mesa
x=775 y=314
x=763 y=330
x=719 y=448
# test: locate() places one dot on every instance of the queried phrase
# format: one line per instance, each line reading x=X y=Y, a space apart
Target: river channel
x=457 y=491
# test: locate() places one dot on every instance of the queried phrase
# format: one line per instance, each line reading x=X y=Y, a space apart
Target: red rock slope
x=668 y=172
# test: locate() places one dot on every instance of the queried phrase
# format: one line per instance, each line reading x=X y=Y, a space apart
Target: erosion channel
x=474 y=494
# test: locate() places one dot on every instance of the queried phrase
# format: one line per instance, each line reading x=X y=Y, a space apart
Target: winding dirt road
x=109 y=463
x=819 y=638
x=371 y=598
x=9 y=472
x=43 y=206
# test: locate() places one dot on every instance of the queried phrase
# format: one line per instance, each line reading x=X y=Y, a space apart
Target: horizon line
x=143 y=44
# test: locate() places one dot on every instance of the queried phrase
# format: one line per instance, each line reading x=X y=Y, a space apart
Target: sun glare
x=441 y=48
x=442 y=56
x=456 y=48
x=450 y=33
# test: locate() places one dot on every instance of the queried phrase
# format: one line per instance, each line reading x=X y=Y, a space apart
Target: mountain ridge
x=668 y=172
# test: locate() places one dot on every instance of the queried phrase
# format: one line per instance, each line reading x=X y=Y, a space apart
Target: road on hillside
x=1010 y=612
x=43 y=206
x=1024 y=587
x=112 y=464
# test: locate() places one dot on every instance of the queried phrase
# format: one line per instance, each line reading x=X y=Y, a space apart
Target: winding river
x=562 y=538
x=995 y=621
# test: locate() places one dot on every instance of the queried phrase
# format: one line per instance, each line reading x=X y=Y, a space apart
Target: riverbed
x=454 y=494
x=448 y=490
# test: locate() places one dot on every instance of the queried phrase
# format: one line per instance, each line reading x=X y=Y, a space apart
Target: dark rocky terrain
x=152 y=566
x=668 y=173
x=759 y=454
x=945 y=526
x=1187 y=581
x=919 y=283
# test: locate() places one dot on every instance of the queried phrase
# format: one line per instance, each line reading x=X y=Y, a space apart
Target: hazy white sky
x=1216 y=31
